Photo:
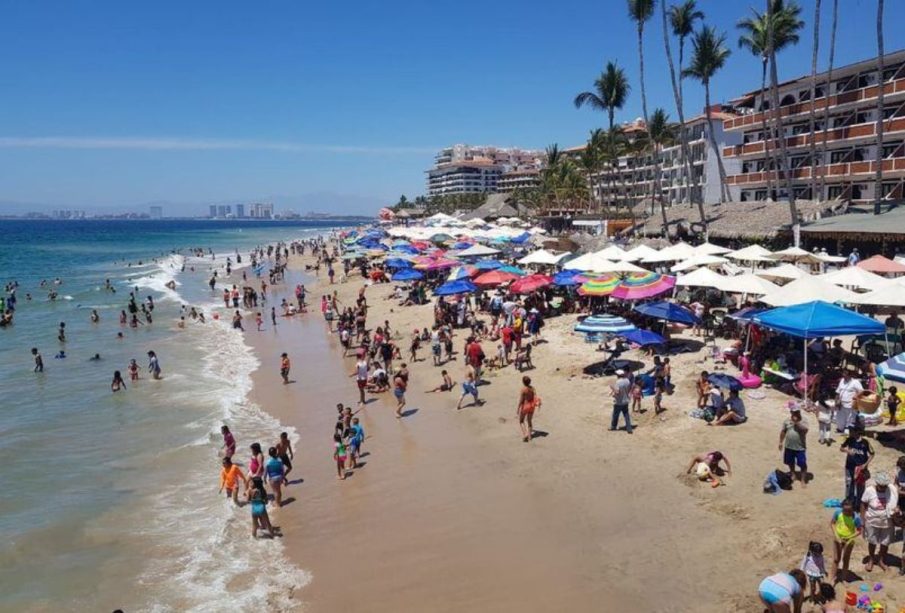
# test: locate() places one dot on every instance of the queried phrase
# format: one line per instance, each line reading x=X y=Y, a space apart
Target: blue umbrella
x=488 y=264
x=397 y=263
x=407 y=274
x=643 y=337
x=459 y=286
x=407 y=249
x=521 y=238
x=566 y=278
x=513 y=269
x=723 y=380
x=604 y=324
x=461 y=245
x=667 y=311
x=747 y=314
x=893 y=368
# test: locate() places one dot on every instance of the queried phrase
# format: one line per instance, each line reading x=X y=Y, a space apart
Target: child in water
x=133 y=370
x=259 y=517
x=118 y=382
x=339 y=455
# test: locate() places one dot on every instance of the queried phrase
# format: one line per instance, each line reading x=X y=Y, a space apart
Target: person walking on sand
x=847 y=527
x=339 y=455
x=273 y=316
x=284 y=367
x=361 y=376
x=528 y=403
x=620 y=390
x=793 y=444
x=878 y=504
x=469 y=386
x=230 y=476
x=399 y=386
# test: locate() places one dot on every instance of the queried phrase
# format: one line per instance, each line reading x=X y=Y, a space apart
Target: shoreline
x=470 y=518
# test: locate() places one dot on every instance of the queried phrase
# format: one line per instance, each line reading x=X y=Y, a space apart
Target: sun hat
x=620 y=373
x=881 y=478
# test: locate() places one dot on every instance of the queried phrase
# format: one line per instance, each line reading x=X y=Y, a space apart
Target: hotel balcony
x=891 y=167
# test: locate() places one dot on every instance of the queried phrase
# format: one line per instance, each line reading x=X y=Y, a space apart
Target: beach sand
x=452 y=511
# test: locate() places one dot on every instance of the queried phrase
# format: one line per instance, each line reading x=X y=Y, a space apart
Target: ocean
x=109 y=499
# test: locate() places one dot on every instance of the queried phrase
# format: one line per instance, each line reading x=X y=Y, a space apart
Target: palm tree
x=682 y=18
x=611 y=89
x=661 y=133
x=783 y=25
x=589 y=161
x=812 y=101
x=640 y=11
x=878 y=183
x=710 y=54
x=826 y=97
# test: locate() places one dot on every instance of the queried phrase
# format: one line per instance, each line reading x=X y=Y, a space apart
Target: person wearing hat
x=853 y=257
x=878 y=504
x=793 y=444
x=620 y=390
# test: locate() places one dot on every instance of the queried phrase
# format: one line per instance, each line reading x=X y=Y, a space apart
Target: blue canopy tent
x=747 y=314
x=604 y=324
x=488 y=264
x=397 y=263
x=893 y=369
x=521 y=238
x=667 y=311
x=643 y=337
x=815 y=320
x=459 y=286
x=407 y=274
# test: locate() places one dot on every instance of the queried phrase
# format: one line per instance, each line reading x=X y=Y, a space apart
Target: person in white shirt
x=846 y=392
x=878 y=504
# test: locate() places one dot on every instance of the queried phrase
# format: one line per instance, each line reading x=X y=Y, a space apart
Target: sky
x=325 y=105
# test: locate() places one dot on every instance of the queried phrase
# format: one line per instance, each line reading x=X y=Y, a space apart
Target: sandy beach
x=452 y=511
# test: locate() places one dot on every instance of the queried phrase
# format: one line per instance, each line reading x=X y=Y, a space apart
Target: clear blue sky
x=342 y=103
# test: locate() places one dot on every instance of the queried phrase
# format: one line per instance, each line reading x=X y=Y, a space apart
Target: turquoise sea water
x=108 y=499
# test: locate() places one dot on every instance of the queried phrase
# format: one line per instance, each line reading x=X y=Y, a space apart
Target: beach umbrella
x=807 y=289
x=747 y=314
x=512 y=269
x=702 y=277
x=639 y=253
x=600 y=286
x=407 y=274
x=587 y=262
x=436 y=264
x=893 y=369
x=725 y=381
x=604 y=324
x=612 y=252
x=397 y=263
x=783 y=271
x=667 y=311
x=492 y=278
x=697 y=261
x=747 y=283
x=408 y=249
x=451 y=288
x=624 y=266
x=711 y=249
x=796 y=254
x=462 y=272
x=830 y=259
x=893 y=295
x=854 y=276
x=420 y=245
x=882 y=265
x=441 y=238
x=751 y=253
x=643 y=337
x=673 y=253
x=637 y=286
x=521 y=238
x=477 y=251
x=566 y=278
x=488 y=264
x=542 y=256
x=531 y=283
x=461 y=245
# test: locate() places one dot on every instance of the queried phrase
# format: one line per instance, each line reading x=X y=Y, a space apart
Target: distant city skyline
x=118 y=107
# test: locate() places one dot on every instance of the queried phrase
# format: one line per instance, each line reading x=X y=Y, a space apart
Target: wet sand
x=453 y=512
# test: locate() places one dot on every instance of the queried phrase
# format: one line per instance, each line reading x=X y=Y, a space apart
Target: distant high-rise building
x=213 y=211
x=467 y=169
x=224 y=211
x=260 y=210
x=156 y=212
x=240 y=211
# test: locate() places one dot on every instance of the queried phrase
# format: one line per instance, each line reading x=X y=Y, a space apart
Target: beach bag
x=783 y=480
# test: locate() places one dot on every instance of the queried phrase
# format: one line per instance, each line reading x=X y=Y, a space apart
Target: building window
x=893 y=150
x=835 y=192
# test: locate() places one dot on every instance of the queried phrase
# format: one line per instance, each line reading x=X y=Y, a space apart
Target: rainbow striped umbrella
x=603 y=285
x=640 y=285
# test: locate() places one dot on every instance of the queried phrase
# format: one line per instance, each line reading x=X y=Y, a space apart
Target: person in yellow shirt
x=846 y=525
x=230 y=476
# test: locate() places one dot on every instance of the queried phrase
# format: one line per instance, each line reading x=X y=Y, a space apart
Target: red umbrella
x=531 y=283
x=493 y=278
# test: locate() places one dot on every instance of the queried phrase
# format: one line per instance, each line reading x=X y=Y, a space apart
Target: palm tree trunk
x=643 y=90
x=826 y=100
x=878 y=182
x=813 y=102
x=784 y=158
x=763 y=123
x=659 y=188
x=713 y=144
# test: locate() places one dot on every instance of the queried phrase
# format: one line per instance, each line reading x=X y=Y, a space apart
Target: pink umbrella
x=640 y=285
x=531 y=283
x=433 y=264
x=495 y=277
x=881 y=265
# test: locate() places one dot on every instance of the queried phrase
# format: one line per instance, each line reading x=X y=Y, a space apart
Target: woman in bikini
x=528 y=403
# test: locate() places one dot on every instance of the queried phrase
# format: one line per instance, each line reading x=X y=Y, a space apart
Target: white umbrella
x=476 y=251
x=639 y=253
x=623 y=266
x=893 y=295
x=852 y=276
x=542 y=256
x=752 y=253
x=711 y=249
x=748 y=283
x=583 y=261
x=673 y=253
x=796 y=254
x=783 y=271
x=830 y=259
x=611 y=253
x=807 y=289
x=697 y=261
x=702 y=277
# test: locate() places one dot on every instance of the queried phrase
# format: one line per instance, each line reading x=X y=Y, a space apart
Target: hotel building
x=466 y=169
x=846 y=169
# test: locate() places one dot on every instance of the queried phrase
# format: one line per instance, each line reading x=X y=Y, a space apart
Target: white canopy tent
x=796 y=254
x=639 y=253
x=752 y=253
x=711 y=249
x=477 y=251
x=808 y=289
x=783 y=271
x=697 y=261
x=893 y=295
x=702 y=277
x=542 y=256
x=852 y=276
x=748 y=283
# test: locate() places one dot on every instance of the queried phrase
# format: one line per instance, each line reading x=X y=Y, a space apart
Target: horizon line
x=197 y=144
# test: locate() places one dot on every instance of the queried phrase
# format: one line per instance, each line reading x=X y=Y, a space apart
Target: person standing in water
x=229 y=442
x=153 y=365
x=230 y=477
x=284 y=367
x=61 y=334
x=118 y=383
x=39 y=361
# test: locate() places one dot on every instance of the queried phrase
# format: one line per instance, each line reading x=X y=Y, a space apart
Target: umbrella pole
x=804 y=391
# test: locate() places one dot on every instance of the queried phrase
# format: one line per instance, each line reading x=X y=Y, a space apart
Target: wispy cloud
x=196 y=144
